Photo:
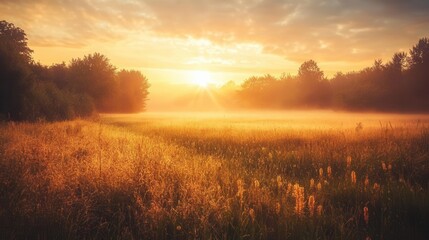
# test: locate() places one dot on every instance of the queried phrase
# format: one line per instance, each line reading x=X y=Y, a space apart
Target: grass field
x=300 y=175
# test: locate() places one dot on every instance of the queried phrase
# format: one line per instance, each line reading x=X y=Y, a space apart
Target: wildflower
x=256 y=183
x=240 y=187
x=278 y=208
x=279 y=181
x=365 y=215
x=349 y=161
x=252 y=214
x=383 y=166
x=376 y=187
x=319 y=186
x=329 y=171
x=311 y=183
x=366 y=182
x=178 y=228
x=321 y=172
x=240 y=190
x=299 y=199
x=353 y=177
x=295 y=189
x=289 y=188
x=311 y=202
x=319 y=210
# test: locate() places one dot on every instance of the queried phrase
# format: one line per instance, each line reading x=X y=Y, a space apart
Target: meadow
x=296 y=175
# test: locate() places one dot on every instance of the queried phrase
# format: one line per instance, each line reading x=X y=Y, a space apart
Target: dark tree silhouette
x=402 y=84
x=31 y=91
x=419 y=54
x=398 y=62
x=314 y=90
x=133 y=91
x=15 y=40
x=95 y=76
x=259 y=91
x=15 y=74
x=310 y=72
x=419 y=74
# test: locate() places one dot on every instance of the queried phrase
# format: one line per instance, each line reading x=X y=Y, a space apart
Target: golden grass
x=199 y=178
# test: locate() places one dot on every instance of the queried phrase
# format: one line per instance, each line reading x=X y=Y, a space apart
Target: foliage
x=400 y=85
x=15 y=40
x=95 y=76
x=15 y=75
x=31 y=91
x=132 y=91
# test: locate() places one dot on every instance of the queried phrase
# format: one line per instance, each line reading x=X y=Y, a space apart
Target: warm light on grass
x=212 y=179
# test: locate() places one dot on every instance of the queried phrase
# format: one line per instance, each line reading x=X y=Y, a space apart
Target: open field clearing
x=217 y=176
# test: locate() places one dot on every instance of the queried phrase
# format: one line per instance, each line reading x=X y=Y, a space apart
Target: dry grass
x=241 y=178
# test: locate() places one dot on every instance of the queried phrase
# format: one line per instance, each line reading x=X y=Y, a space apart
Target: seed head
x=289 y=189
x=278 y=208
x=319 y=210
x=311 y=203
x=252 y=214
x=353 y=177
x=329 y=171
x=279 y=181
x=376 y=187
x=349 y=161
x=365 y=215
x=256 y=183
x=383 y=166
x=319 y=186
x=299 y=199
x=366 y=183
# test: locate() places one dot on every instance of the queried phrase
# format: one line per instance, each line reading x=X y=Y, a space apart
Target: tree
x=259 y=91
x=95 y=76
x=310 y=72
x=398 y=62
x=15 y=40
x=133 y=91
x=419 y=54
x=15 y=73
x=314 y=90
x=418 y=80
x=258 y=83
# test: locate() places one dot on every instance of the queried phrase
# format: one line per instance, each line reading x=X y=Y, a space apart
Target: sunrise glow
x=180 y=44
x=201 y=78
x=214 y=119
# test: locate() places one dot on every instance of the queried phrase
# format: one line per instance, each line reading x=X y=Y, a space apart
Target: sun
x=201 y=78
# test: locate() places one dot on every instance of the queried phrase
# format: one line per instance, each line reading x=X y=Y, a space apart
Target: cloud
x=334 y=30
x=71 y=23
x=298 y=30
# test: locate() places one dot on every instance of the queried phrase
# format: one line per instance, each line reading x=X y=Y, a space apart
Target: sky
x=176 y=42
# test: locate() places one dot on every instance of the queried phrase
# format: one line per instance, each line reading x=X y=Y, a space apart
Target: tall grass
x=231 y=178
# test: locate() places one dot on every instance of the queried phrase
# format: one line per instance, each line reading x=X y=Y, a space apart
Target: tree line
x=30 y=91
x=400 y=85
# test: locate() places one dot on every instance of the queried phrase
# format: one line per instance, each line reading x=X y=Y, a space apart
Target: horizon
x=224 y=40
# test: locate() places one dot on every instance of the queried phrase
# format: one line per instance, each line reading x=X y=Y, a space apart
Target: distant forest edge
x=400 y=85
x=30 y=91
